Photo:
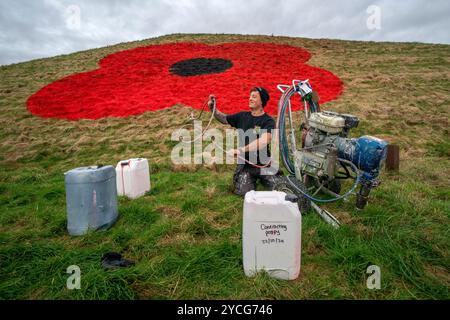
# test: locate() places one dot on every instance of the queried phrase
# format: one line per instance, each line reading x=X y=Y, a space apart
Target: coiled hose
x=284 y=147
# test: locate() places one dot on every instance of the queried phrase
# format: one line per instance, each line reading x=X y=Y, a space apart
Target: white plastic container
x=91 y=199
x=133 y=178
x=271 y=235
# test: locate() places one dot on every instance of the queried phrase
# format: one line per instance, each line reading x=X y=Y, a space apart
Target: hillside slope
x=186 y=234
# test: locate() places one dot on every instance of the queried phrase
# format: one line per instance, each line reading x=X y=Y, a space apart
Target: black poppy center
x=199 y=66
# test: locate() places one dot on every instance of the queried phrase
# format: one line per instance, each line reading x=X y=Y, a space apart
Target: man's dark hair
x=265 y=97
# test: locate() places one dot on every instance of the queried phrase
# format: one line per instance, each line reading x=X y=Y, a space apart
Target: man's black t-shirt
x=251 y=129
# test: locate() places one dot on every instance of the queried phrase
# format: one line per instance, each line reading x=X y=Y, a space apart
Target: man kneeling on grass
x=255 y=136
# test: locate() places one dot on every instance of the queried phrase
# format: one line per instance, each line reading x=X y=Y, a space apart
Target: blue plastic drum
x=91 y=198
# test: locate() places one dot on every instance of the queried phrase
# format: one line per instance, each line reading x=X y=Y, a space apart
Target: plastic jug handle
x=272 y=198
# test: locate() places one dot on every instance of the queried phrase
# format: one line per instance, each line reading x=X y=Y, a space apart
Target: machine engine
x=325 y=144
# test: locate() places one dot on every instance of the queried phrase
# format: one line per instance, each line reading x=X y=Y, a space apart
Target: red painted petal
x=134 y=81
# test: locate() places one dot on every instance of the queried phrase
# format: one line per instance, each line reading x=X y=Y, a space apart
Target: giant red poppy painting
x=157 y=77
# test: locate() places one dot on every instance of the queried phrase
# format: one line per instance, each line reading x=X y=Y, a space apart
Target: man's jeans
x=246 y=177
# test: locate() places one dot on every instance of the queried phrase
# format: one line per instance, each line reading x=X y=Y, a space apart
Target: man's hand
x=220 y=116
x=211 y=101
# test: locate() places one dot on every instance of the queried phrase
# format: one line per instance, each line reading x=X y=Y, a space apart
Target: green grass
x=185 y=235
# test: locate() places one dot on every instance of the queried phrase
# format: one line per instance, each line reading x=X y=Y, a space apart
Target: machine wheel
x=335 y=186
x=283 y=185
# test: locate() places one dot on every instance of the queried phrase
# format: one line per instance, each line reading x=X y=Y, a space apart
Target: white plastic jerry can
x=271 y=235
x=133 y=178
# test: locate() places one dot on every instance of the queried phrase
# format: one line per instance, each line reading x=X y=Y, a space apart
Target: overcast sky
x=31 y=29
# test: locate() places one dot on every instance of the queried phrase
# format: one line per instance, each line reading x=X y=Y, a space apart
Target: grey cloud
x=32 y=29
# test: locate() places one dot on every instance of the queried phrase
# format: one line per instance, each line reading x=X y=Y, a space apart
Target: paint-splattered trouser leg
x=243 y=180
x=269 y=181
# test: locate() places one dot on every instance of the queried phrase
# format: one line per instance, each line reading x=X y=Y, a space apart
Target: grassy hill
x=186 y=234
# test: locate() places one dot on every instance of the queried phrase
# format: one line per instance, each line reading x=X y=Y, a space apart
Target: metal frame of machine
x=327 y=156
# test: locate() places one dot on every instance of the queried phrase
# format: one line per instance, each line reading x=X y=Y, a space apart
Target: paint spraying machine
x=327 y=156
